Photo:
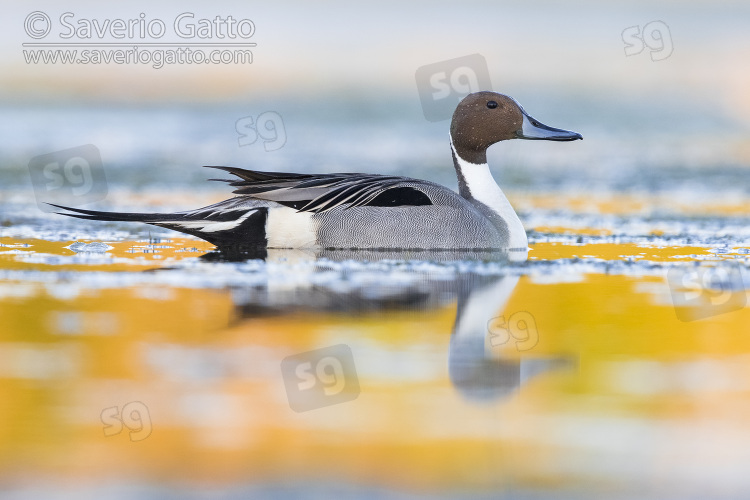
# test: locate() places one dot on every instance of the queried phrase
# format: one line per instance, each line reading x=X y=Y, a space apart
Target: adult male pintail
x=370 y=211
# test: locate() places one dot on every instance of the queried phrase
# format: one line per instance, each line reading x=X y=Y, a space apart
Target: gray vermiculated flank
x=346 y=221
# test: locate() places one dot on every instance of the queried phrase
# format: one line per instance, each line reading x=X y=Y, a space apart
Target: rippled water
x=135 y=361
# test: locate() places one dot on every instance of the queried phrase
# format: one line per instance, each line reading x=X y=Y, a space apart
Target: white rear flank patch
x=287 y=228
x=208 y=226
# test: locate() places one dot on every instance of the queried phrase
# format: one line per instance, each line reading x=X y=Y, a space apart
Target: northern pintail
x=370 y=211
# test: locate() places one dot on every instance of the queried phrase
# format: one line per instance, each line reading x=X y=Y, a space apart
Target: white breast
x=484 y=189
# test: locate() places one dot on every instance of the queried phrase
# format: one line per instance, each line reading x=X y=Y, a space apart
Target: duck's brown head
x=483 y=118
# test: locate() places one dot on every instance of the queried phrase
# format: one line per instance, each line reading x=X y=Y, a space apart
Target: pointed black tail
x=224 y=225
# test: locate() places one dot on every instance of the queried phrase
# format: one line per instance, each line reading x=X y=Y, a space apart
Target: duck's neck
x=476 y=184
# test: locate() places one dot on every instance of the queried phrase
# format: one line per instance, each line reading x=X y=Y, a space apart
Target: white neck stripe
x=484 y=189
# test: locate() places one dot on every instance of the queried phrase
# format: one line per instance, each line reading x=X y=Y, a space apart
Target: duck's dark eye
x=491 y=104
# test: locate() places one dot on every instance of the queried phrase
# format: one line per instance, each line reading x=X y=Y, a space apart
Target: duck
x=273 y=210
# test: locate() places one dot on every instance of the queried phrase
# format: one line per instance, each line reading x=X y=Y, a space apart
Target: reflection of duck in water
x=476 y=370
x=366 y=211
x=480 y=334
x=369 y=281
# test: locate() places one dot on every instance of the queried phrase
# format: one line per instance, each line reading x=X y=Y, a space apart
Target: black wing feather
x=322 y=192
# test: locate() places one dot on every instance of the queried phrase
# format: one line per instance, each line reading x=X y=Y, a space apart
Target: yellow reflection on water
x=599 y=380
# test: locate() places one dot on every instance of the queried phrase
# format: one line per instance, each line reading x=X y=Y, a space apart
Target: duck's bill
x=534 y=130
